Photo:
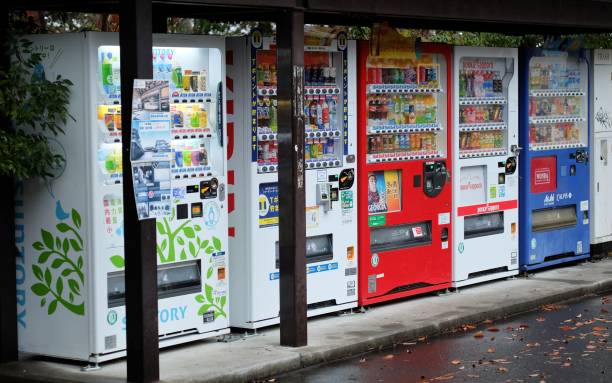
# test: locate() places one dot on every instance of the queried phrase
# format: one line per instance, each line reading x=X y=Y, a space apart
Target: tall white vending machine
x=601 y=153
x=70 y=228
x=485 y=197
x=330 y=147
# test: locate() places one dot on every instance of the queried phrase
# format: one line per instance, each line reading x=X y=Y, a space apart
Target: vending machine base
x=485 y=276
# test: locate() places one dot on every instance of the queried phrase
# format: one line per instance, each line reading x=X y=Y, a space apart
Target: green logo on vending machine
x=111 y=317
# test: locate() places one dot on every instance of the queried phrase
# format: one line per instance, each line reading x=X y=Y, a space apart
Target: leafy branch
x=33 y=106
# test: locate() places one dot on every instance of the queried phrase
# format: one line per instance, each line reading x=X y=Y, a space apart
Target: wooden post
x=291 y=181
x=136 y=42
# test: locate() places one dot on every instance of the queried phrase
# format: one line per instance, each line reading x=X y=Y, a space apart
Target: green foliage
x=57 y=250
x=36 y=107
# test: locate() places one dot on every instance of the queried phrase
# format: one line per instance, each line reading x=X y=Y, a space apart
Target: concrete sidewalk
x=334 y=337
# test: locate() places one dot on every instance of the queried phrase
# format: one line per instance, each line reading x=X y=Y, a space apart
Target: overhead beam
x=291 y=182
x=136 y=44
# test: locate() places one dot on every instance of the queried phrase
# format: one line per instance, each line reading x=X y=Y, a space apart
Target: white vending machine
x=70 y=228
x=331 y=190
x=601 y=153
x=485 y=168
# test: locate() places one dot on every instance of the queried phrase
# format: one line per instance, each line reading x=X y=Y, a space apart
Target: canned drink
x=179 y=158
x=320 y=149
x=306 y=151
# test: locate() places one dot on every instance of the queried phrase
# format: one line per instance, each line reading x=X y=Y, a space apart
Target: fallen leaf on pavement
x=448 y=376
x=490 y=350
x=456 y=362
x=479 y=334
x=540 y=319
x=599 y=328
x=493 y=329
x=387 y=357
x=502 y=369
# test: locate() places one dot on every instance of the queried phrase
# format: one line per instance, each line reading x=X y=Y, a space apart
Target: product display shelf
x=558 y=145
x=480 y=127
x=556 y=119
x=475 y=153
x=403 y=156
x=400 y=88
x=556 y=92
x=403 y=128
x=482 y=101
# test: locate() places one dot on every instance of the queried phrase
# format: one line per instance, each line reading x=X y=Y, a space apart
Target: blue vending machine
x=554 y=169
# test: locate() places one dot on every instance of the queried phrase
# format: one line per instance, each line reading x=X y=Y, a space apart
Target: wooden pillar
x=8 y=276
x=291 y=181
x=136 y=41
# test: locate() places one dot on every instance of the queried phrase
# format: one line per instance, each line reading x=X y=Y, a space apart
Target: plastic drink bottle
x=179 y=158
x=107 y=73
x=187 y=157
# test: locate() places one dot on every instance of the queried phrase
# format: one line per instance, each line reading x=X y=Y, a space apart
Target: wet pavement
x=557 y=343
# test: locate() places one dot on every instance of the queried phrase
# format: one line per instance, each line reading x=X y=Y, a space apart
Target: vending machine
x=404 y=172
x=554 y=169
x=601 y=150
x=485 y=186
x=330 y=171
x=70 y=228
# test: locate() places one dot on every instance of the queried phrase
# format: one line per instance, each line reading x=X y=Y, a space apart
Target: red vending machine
x=404 y=153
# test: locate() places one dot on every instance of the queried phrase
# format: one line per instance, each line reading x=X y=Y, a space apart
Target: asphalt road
x=557 y=343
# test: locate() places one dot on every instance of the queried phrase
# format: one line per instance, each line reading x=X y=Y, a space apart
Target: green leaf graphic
x=216 y=243
x=47 y=238
x=222 y=301
x=40 y=289
x=57 y=263
x=59 y=286
x=75 y=245
x=164 y=244
x=37 y=272
x=180 y=241
x=160 y=228
x=74 y=286
x=197 y=227
x=189 y=233
x=48 y=277
x=192 y=249
x=58 y=243
x=80 y=262
x=209 y=250
x=63 y=227
x=183 y=255
x=209 y=272
x=203 y=309
x=76 y=218
x=67 y=272
x=44 y=256
x=52 y=307
x=199 y=298
x=117 y=261
x=208 y=290
x=38 y=245
x=43 y=301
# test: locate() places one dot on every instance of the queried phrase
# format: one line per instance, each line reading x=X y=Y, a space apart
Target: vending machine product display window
x=77 y=289
x=554 y=130
x=404 y=168
x=486 y=182
x=330 y=172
